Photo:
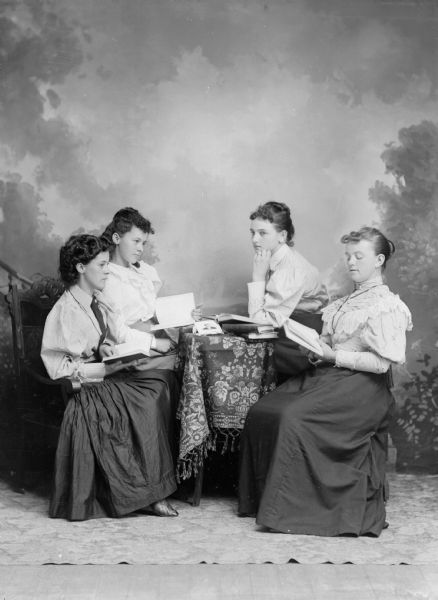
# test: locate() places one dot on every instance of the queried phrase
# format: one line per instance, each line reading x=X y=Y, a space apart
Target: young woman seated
x=132 y=285
x=114 y=452
x=284 y=284
x=313 y=451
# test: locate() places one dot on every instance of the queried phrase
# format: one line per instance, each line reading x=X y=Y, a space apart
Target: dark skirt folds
x=115 y=448
x=313 y=454
x=289 y=358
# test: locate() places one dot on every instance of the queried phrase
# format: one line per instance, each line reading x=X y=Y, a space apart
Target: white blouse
x=367 y=329
x=132 y=292
x=292 y=283
x=72 y=334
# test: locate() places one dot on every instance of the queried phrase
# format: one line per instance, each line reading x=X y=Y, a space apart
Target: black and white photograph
x=219 y=299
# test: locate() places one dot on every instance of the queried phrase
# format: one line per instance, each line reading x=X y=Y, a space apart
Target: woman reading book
x=132 y=286
x=114 y=451
x=284 y=284
x=313 y=451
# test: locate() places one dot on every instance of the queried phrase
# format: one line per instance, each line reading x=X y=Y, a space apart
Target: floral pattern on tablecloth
x=222 y=377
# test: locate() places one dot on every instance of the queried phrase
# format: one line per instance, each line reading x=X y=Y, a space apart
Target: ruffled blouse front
x=367 y=329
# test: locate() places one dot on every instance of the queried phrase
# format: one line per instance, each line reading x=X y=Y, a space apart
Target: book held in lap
x=303 y=336
x=125 y=353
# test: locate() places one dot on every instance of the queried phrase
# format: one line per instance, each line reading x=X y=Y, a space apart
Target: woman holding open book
x=313 y=451
x=132 y=285
x=114 y=451
x=284 y=284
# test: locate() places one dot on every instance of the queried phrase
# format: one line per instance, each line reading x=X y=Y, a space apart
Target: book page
x=303 y=336
x=174 y=311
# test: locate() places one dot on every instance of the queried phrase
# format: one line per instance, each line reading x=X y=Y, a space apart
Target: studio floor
x=209 y=552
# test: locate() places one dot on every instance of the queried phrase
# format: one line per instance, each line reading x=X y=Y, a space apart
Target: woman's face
x=362 y=261
x=264 y=235
x=93 y=275
x=129 y=246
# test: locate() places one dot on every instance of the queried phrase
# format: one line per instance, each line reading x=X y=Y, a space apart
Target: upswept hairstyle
x=78 y=249
x=279 y=215
x=123 y=221
x=382 y=245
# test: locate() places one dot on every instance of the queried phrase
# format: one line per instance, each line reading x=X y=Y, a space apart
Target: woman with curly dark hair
x=313 y=451
x=114 y=452
x=133 y=284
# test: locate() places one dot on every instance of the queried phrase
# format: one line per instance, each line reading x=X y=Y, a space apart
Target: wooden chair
x=40 y=401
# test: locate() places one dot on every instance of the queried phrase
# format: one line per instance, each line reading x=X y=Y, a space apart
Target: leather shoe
x=162 y=508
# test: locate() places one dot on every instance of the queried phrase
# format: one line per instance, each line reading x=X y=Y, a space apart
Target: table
x=222 y=377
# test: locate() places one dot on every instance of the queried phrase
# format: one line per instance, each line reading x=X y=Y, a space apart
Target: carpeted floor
x=212 y=533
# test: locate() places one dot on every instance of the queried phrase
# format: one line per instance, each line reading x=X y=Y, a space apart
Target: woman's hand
x=328 y=352
x=106 y=349
x=163 y=345
x=197 y=313
x=119 y=366
x=142 y=326
x=260 y=266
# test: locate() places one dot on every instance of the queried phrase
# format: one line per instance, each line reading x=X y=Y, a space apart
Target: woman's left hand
x=197 y=313
x=328 y=352
x=260 y=265
x=106 y=349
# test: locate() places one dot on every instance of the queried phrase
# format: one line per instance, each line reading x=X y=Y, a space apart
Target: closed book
x=266 y=335
x=246 y=327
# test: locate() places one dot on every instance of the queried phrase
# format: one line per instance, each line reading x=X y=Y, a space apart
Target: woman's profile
x=313 y=451
x=114 y=452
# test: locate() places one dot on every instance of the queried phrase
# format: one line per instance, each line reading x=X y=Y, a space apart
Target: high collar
x=369 y=283
x=278 y=256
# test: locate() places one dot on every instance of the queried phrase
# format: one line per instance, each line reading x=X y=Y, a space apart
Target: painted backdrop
x=196 y=111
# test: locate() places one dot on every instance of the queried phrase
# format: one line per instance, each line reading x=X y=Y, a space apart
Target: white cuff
x=91 y=371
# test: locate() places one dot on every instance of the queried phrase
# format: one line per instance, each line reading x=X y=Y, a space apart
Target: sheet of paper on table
x=303 y=336
x=174 y=311
x=207 y=327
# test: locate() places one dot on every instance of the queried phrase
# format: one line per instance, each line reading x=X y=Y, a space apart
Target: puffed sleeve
x=65 y=350
x=119 y=332
x=383 y=335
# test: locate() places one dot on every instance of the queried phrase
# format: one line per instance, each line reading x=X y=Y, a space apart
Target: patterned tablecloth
x=222 y=377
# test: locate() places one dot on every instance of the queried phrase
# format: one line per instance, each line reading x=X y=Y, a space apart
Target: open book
x=303 y=336
x=126 y=353
x=174 y=311
x=230 y=318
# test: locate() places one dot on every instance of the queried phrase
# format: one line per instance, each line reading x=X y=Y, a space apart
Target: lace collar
x=368 y=284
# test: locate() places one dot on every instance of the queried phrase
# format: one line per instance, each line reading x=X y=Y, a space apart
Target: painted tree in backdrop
x=409 y=215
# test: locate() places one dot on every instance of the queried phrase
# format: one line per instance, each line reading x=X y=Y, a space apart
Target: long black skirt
x=115 y=448
x=313 y=454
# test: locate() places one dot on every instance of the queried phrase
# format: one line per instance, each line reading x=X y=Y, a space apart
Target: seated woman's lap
x=338 y=406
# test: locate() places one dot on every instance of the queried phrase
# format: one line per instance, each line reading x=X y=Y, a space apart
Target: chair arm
x=70 y=386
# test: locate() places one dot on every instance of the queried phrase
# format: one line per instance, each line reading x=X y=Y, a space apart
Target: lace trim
x=358 y=314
